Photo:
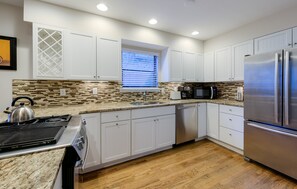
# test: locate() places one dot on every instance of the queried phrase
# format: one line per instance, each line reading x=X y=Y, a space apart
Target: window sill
x=140 y=90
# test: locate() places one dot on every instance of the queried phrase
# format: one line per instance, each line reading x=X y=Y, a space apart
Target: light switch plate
x=95 y=91
x=62 y=92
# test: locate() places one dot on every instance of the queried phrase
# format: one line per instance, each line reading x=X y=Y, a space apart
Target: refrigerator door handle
x=276 y=87
x=286 y=88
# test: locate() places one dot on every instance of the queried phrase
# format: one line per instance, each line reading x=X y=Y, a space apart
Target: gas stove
x=36 y=132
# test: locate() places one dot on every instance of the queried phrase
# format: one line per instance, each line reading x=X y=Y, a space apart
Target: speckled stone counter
x=36 y=170
x=93 y=108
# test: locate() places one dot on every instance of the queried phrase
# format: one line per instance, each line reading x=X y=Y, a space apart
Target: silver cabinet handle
x=276 y=86
x=287 y=84
x=289 y=44
x=94 y=76
x=230 y=119
x=211 y=92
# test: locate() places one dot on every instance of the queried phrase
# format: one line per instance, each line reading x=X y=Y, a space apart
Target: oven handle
x=87 y=147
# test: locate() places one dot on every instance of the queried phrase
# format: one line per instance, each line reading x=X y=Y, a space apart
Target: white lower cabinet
x=202 y=122
x=213 y=120
x=93 y=132
x=143 y=135
x=231 y=125
x=165 y=131
x=115 y=140
x=152 y=129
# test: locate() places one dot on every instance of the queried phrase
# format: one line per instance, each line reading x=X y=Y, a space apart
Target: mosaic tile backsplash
x=46 y=93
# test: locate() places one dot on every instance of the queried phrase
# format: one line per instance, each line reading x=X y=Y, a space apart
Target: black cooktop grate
x=45 y=130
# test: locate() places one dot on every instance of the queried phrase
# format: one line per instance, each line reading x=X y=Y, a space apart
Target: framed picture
x=8 y=53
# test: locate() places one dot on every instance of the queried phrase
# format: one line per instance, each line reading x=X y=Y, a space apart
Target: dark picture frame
x=8 y=50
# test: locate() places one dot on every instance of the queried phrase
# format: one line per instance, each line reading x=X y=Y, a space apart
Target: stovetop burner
x=35 y=132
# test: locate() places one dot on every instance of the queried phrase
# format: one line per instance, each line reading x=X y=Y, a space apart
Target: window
x=139 y=69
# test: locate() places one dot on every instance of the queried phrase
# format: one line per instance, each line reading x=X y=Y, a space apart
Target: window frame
x=141 y=51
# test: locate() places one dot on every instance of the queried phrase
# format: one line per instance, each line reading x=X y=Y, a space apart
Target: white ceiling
x=209 y=17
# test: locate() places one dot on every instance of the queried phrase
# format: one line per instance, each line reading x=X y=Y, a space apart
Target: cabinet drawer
x=115 y=116
x=231 y=110
x=151 y=112
x=231 y=121
x=231 y=137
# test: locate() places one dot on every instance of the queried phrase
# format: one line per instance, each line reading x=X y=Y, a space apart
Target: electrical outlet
x=62 y=92
x=95 y=91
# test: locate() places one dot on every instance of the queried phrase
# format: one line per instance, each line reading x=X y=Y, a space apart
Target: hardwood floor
x=200 y=165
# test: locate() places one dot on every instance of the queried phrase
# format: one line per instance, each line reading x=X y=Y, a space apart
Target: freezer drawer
x=276 y=149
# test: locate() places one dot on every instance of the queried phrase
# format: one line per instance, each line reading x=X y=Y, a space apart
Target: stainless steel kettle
x=21 y=113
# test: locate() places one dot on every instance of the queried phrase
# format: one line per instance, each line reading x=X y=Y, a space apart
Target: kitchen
x=122 y=135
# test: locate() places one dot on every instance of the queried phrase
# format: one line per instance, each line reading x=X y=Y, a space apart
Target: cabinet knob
x=84 y=122
x=230 y=134
x=117 y=116
x=94 y=76
x=98 y=76
x=230 y=119
x=117 y=124
x=289 y=44
x=230 y=110
x=295 y=43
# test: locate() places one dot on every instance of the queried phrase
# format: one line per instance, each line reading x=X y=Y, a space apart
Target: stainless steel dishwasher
x=186 y=123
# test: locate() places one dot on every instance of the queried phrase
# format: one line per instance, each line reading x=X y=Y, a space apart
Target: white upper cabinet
x=176 y=65
x=209 y=67
x=239 y=51
x=223 y=64
x=80 y=56
x=189 y=65
x=199 y=68
x=295 y=37
x=48 y=52
x=108 y=59
x=273 y=42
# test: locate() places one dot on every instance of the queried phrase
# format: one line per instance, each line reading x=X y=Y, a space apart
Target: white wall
x=44 y=13
x=274 y=23
x=12 y=24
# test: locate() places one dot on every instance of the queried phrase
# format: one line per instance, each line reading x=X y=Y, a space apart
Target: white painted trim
x=140 y=90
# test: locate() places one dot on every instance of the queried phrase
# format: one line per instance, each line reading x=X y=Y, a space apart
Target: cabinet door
x=48 y=52
x=176 y=66
x=93 y=132
x=273 y=42
x=202 y=123
x=115 y=140
x=143 y=135
x=80 y=56
x=165 y=131
x=108 y=59
x=209 y=67
x=199 y=68
x=239 y=51
x=213 y=120
x=189 y=66
x=295 y=37
x=223 y=64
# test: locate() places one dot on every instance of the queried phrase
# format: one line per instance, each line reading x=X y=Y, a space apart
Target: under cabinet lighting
x=102 y=7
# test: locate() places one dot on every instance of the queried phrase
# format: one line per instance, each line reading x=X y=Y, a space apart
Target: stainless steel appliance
x=186 y=123
x=205 y=92
x=46 y=133
x=186 y=92
x=270 y=110
x=21 y=113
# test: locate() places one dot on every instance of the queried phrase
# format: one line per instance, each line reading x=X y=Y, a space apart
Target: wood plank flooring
x=198 y=165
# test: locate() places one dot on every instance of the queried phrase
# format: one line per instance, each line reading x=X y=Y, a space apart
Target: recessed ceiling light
x=195 y=33
x=102 y=7
x=153 y=21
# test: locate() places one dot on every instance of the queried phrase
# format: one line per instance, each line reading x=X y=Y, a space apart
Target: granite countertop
x=104 y=107
x=37 y=170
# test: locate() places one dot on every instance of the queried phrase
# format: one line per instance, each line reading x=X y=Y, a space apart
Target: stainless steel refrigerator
x=270 y=110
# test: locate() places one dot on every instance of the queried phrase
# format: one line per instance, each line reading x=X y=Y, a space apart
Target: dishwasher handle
x=182 y=107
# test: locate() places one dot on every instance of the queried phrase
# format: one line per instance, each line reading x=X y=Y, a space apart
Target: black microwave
x=205 y=92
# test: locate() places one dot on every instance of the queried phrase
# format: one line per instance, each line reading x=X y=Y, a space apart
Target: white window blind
x=139 y=69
